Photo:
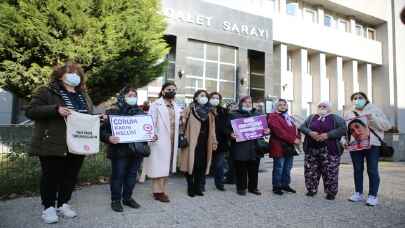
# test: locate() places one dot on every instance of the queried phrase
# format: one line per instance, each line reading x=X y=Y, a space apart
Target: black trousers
x=59 y=177
x=246 y=173
x=195 y=181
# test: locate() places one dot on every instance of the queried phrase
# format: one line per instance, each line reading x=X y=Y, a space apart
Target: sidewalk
x=218 y=209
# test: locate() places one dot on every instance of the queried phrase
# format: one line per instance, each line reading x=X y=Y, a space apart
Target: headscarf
x=285 y=115
x=328 y=106
x=241 y=100
x=124 y=107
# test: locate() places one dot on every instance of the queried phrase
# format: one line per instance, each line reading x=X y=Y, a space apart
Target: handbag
x=289 y=149
x=262 y=146
x=183 y=141
x=83 y=133
x=141 y=149
x=386 y=150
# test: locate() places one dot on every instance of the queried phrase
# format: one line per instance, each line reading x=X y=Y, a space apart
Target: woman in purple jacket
x=322 y=148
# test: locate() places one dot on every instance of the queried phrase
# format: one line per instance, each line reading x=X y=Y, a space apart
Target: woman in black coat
x=221 y=117
x=125 y=161
x=244 y=154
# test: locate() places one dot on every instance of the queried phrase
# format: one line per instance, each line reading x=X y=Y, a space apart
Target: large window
x=292 y=8
x=211 y=67
x=371 y=34
x=256 y=65
x=343 y=25
x=310 y=16
x=359 y=30
x=328 y=21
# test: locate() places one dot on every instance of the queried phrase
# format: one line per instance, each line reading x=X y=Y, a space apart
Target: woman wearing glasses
x=323 y=132
x=162 y=161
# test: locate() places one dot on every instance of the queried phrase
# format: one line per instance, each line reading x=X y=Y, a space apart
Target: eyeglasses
x=170 y=90
x=322 y=106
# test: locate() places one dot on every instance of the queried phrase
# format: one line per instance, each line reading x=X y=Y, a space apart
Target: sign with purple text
x=249 y=128
x=138 y=128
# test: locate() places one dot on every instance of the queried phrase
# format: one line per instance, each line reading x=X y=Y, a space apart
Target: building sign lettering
x=206 y=21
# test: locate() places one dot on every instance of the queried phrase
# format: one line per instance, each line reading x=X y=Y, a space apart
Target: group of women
x=206 y=135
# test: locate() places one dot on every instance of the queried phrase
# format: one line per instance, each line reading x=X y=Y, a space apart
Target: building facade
x=302 y=50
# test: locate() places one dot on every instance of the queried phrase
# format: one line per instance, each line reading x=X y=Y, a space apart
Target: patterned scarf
x=201 y=110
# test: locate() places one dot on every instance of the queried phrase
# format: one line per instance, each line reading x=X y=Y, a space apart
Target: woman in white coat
x=163 y=158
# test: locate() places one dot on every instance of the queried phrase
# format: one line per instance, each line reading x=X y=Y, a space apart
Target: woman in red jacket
x=284 y=135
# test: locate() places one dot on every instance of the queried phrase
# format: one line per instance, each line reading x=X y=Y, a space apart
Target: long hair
x=167 y=84
x=198 y=92
x=68 y=67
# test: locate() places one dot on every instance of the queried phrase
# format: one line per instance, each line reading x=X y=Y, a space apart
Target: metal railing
x=20 y=172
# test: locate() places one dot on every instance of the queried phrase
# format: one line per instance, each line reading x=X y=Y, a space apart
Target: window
x=371 y=34
x=256 y=66
x=212 y=67
x=310 y=16
x=359 y=30
x=292 y=8
x=343 y=25
x=328 y=21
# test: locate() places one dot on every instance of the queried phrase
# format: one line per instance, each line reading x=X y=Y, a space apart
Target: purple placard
x=249 y=128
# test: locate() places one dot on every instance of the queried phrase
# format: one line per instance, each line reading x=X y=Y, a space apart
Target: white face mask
x=71 y=79
x=131 y=100
x=323 y=112
x=202 y=100
x=214 y=101
x=247 y=109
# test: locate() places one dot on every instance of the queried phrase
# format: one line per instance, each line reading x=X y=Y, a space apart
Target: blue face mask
x=131 y=100
x=359 y=103
x=71 y=79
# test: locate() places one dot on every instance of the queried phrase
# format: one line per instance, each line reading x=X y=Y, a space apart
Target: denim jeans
x=219 y=163
x=372 y=156
x=282 y=171
x=123 y=177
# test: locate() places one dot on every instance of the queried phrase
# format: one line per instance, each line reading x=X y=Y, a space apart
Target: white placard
x=137 y=128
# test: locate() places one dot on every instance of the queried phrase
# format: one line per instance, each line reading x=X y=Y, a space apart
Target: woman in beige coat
x=199 y=129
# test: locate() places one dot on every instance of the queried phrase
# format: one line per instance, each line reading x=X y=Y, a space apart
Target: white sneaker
x=372 y=201
x=356 y=197
x=66 y=211
x=49 y=215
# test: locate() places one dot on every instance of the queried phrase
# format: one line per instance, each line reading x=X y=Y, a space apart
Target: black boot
x=277 y=191
x=131 y=203
x=190 y=188
x=117 y=206
x=289 y=189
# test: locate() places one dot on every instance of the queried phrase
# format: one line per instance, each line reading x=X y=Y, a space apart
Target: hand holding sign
x=129 y=129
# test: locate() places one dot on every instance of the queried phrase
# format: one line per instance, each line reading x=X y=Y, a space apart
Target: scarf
x=125 y=108
x=287 y=118
x=201 y=110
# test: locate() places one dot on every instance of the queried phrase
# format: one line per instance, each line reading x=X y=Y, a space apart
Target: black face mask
x=169 y=95
x=284 y=111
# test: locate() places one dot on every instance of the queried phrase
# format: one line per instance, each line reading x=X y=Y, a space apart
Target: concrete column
x=181 y=53
x=279 y=68
x=271 y=81
x=320 y=83
x=335 y=75
x=352 y=23
x=350 y=77
x=321 y=16
x=282 y=6
x=365 y=80
x=299 y=68
x=243 y=72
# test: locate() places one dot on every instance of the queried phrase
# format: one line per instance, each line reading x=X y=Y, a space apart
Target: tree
x=118 y=42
